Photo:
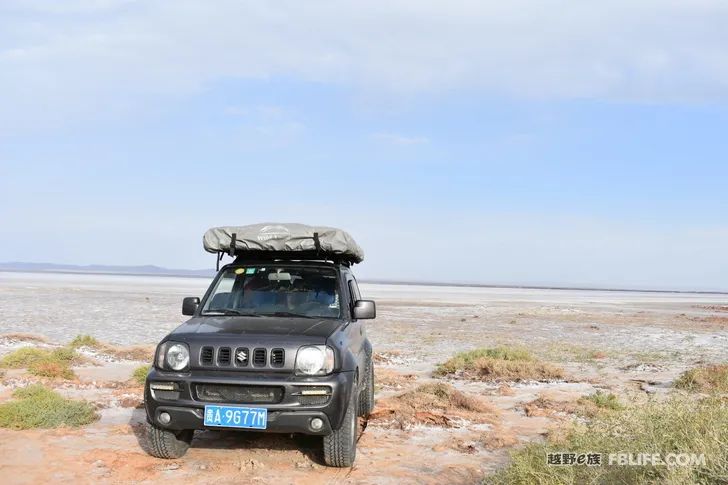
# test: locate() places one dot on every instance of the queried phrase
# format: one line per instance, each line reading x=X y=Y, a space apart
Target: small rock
x=302 y=464
x=253 y=464
x=203 y=467
x=171 y=466
x=99 y=464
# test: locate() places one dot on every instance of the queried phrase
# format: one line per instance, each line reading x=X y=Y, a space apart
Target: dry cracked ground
x=626 y=343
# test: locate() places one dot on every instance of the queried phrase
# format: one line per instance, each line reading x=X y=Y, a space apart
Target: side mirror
x=365 y=309
x=189 y=305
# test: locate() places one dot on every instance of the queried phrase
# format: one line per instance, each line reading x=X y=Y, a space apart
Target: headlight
x=315 y=360
x=175 y=356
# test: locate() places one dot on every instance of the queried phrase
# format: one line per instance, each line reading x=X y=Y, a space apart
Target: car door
x=357 y=335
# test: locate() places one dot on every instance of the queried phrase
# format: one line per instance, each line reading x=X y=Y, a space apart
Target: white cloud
x=99 y=58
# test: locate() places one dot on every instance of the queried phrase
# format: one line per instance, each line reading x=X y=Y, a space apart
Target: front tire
x=340 y=445
x=366 y=400
x=167 y=444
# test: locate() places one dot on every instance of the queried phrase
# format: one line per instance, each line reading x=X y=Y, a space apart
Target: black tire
x=340 y=445
x=164 y=443
x=366 y=398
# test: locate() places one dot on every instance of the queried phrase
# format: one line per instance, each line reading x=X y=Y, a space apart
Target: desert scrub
x=51 y=368
x=678 y=425
x=499 y=363
x=438 y=404
x=141 y=353
x=442 y=395
x=84 y=341
x=140 y=374
x=710 y=378
x=602 y=400
x=22 y=357
x=138 y=353
x=37 y=406
x=43 y=362
x=589 y=406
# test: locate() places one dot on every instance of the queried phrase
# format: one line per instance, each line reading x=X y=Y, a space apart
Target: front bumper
x=288 y=415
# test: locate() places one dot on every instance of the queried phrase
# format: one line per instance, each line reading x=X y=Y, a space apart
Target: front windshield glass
x=278 y=290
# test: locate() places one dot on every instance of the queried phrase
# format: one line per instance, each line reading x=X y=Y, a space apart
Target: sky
x=524 y=142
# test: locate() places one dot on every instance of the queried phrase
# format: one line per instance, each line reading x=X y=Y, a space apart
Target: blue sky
x=562 y=145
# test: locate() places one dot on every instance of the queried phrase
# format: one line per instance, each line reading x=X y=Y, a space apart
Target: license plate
x=236 y=417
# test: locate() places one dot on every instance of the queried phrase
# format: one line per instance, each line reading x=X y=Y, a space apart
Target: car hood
x=259 y=326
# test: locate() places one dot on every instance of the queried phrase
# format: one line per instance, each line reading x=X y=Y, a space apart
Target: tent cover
x=283 y=241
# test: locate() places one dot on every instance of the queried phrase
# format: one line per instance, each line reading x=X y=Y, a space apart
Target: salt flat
x=127 y=309
x=630 y=343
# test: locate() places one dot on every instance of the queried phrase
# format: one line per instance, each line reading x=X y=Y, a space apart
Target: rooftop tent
x=283 y=241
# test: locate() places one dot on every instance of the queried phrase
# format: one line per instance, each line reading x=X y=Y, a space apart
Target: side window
x=223 y=294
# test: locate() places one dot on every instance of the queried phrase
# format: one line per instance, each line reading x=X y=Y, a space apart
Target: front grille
x=223 y=356
x=206 y=355
x=229 y=357
x=277 y=357
x=259 y=357
x=231 y=393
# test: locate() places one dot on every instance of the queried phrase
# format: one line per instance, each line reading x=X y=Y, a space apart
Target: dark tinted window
x=278 y=290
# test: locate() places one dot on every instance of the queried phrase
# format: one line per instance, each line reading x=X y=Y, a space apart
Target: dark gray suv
x=274 y=345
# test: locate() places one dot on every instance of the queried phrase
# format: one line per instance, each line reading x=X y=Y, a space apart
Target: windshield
x=280 y=290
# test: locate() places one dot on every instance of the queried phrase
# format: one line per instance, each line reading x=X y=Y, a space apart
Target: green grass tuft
x=23 y=357
x=499 y=363
x=85 y=341
x=140 y=374
x=37 y=406
x=602 y=400
x=711 y=378
x=679 y=425
x=42 y=362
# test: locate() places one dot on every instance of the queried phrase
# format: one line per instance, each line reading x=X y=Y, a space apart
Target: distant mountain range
x=147 y=269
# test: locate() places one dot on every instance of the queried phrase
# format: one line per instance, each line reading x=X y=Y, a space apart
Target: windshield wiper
x=229 y=311
x=286 y=314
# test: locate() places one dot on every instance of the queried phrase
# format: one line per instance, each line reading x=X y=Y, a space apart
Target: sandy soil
x=631 y=344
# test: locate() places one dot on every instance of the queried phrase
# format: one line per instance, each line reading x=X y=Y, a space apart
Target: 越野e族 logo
x=273 y=232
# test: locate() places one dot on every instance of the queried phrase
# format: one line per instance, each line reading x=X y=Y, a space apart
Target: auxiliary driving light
x=317 y=424
x=165 y=418
x=162 y=386
x=314 y=392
